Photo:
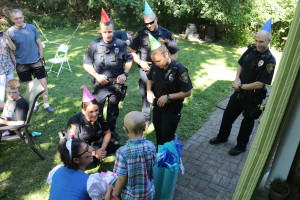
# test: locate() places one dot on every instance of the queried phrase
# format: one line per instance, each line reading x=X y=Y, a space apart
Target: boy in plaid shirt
x=134 y=162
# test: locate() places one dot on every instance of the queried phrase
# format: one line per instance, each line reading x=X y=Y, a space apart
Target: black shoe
x=50 y=109
x=115 y=136
x=217 y=140
x=236 y=151
x=36 y=108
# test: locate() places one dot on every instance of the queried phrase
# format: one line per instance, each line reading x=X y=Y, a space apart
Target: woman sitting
x=91 y=128
x=69 y=181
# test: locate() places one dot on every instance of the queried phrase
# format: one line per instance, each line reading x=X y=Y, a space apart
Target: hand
x=150 y=96
x=145 y=65
x=121 y=79
x=102 y=79
x=162 y=101
x=235 y=84
x=100 y=153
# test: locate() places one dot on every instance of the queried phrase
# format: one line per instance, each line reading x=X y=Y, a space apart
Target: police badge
x=171 y=77
x=260 y=63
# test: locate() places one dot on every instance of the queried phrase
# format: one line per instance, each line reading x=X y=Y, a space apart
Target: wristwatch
x=240 y=86
x=126 y=74
x=168 y=97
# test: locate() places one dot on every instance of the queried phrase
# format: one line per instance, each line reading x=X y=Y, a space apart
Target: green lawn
x=22 y=173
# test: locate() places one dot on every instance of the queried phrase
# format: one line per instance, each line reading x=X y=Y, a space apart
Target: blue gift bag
x=166 y=169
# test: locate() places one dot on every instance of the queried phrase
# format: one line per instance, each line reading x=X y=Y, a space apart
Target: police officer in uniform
x=256 y=68
x=91 y=128
x=108 y=62
x=141 y=42
x=167 y=85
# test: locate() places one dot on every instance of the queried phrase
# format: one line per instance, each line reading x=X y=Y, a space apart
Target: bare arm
x=40 y=47
x=136 y=59
x=11 y=123
x=12 y=56
x=101 y=153
x=150 y=94
x=249 y=86
x=8 y=41
x=102 y=79
x=237 y=81
x=120 y=183
x=179 y=95
x=122 y=78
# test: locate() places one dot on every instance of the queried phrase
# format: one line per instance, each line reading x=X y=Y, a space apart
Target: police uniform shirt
x=108 y=59
x=257 y=66
x=81 y=128
x=141 y=41
x=171 y=80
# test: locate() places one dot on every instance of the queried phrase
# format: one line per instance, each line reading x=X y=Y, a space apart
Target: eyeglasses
x=125 y=129
x=85 y=150
x=11 y=93
x=150 y=23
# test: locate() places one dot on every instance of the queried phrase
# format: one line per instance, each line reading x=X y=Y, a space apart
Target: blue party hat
x=147 y=10
x=268 y=26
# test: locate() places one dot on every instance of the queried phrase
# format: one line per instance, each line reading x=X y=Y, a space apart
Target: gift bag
x=166 y=169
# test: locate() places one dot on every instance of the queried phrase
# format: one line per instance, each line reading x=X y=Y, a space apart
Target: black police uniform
x=256 y=66
x=141 y=41
x=91 y=134
x=108 y=59
x=174 y=79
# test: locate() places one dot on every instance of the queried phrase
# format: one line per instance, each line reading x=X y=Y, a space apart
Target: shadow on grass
x=23 y=175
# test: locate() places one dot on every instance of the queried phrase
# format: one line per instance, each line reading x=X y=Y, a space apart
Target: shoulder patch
x=135 y=35
x=270 y=67
x=184 y=77
x=88 y=48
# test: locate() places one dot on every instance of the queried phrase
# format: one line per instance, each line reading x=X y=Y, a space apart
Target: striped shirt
x=136 y=160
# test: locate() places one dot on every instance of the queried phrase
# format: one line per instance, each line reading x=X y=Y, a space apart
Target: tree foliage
x=236 y=20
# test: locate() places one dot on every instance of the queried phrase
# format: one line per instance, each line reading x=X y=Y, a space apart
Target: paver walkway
x=210 y=172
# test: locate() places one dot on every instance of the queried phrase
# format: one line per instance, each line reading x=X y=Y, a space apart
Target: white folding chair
x=60 y=58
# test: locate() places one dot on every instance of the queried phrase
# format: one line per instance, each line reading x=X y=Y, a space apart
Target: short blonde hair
x=135 y=122
x=13 y=84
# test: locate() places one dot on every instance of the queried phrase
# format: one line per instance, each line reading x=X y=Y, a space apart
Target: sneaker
x=6 y=133
x=50 y=109
x=115 y=136
x=36 y=108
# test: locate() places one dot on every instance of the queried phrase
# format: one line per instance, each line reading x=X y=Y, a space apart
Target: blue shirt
x=25 y=42
x=69 y=184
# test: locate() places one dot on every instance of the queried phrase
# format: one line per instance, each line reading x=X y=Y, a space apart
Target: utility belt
x=120 y=89
x=253 y=96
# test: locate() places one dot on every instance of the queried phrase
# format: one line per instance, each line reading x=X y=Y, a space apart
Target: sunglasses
x=150 y=23
x=85 y=150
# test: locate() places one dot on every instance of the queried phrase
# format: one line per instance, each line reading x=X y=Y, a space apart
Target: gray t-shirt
x=25 y=42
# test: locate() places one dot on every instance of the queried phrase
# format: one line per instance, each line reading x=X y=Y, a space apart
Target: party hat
x=268 y=25
x=86 y=95
x=147 y=10
x=154 y=44
x=104 y=16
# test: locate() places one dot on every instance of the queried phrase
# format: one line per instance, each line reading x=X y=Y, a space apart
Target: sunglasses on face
x=150 y=23
x=85 y=150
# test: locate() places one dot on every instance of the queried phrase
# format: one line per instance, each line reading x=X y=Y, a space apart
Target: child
x=6 y=64
x=134 y=162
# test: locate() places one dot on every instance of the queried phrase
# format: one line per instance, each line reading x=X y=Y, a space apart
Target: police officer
x=108 y=62
x=91 y=127
x=167 y=85
x=256 y=68
x=141 y=41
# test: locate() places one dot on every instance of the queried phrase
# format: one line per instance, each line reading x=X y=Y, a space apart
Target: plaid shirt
x=136 y=160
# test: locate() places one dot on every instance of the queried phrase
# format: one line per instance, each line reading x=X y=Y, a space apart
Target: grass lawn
x=22 y=174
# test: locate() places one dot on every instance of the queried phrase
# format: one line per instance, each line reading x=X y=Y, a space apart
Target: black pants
x=234 y=108
x=165 y=122
x=109 y=93
x=143 y=88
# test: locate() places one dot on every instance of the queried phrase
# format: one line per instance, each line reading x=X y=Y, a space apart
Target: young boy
x=134 y=162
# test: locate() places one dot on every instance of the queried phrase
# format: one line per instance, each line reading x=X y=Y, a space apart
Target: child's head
x=13 y=89
x=134 y=123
